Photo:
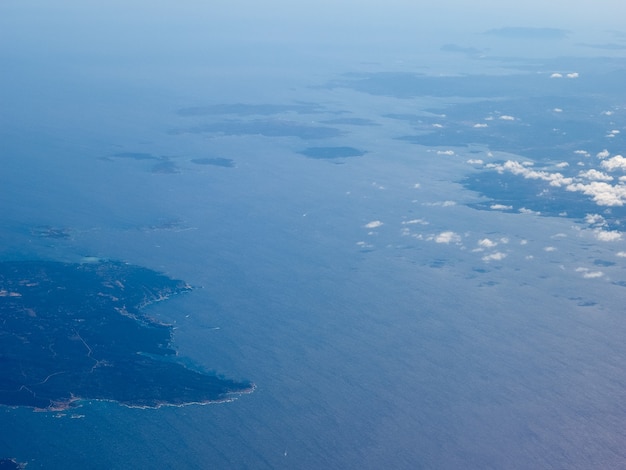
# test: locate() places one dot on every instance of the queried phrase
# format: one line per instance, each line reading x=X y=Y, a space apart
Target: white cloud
x=480 y=126
x=416 y=185
x=438 y=126
x=373 y=224
x=549 y=249
x=486 y=243
x=596 y=175
x=414 y=221
x=562 y=165
x=554 y=179
x=603 y=154
x=445 y=152
x=473 y=161
x=557 y=110
x=523 y=210
x=587 y=274
x=497 y=256
x=506 y=117
x=573 y=75
x=593 y=274
x=556 y=75
x=595 y=219
x=440 y=204
x=582 y=152
x=621 y=254
x=608 y=236
x=447 y=237
x=617 y=162
x=602 y=193
x=500 y=207
x=608 y=113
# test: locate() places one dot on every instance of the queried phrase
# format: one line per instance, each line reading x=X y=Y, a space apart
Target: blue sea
x=407 y=233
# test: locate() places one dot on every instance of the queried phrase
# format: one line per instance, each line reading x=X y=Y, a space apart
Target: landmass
x=323 y=153
x=71 y=332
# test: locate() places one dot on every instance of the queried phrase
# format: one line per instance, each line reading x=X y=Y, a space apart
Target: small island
x=77 y=331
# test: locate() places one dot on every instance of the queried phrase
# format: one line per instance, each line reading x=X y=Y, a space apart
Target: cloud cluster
x=617 y=162
x=588 y=274
x=373 y=224
x=497 y=256
x=486 y=243
x=517 y=168
x=608 y=235
x=592 y=183
x=447 y=237
x=595 y=175
x=568 y=75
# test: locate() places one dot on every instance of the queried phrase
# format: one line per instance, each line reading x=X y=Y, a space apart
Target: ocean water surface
x=411 y=242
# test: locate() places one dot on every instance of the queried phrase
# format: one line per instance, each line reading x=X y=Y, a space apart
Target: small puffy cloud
x=562 y=165
x=415 y=221
x=523 y=210
x=440 y=204
x=603 y=154
x=447 y=237
x=602 y=193
x=486 y=243
x=438 y=126
x=554 y=179
x=473 y=161
x=608 y=236
x=480 y=126
x=582 y=152
x=416 y=186
x=500 y=207
x=557 y=110
x=587 y=274
x=608 y=113
x=506 y=117
x=445 y=152
x=595 y=219
x=573 y=75
x=593 y=274
x=621 y=254
x=373 y=224
x=549 y=249
x=595 y=175
x=556 y=75
x=617 y=162
x=497 y=256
